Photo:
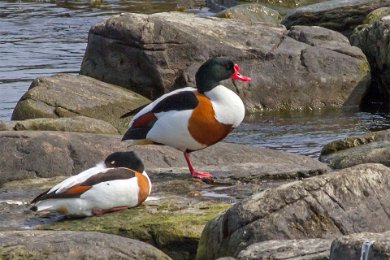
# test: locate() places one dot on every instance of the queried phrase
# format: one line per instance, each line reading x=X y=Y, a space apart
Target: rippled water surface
x=41 y=38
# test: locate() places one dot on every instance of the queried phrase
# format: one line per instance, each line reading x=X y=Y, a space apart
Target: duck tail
x=41 y=206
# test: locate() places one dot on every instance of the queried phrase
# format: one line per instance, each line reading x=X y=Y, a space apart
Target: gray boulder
x=373 y=147
x=373 y=39
x=339 y=15
x=73 y=245
x=362 y=246
x=252 y=13
x=30 y=154
x=309 y=249
x=349 y=201
x=303 y=68
x=80 y=124
x=68 y=95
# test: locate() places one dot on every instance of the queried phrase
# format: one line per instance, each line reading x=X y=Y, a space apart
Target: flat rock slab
x=80 y=124
x=309 y=249
x=68 y=95
x=29 y=154
x=345 y=202
x=73 y=245
x=370 y=245
x=301 y=68
x=373 y=147
x=339 y=15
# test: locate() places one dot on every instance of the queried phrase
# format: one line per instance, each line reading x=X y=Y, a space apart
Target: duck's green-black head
x=215 y=70
x=124 y=159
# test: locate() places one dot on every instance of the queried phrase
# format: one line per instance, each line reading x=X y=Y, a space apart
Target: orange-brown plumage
x=203 y=126
x=144 y=187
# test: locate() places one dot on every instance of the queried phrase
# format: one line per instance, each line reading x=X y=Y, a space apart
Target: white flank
x=171 y=129
x=227 y=105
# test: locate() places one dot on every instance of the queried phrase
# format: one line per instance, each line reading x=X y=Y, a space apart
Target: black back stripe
x=183 y=100
x=110 y=175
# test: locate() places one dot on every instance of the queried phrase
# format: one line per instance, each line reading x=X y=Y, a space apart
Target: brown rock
x=28 y=154
x=67 y=95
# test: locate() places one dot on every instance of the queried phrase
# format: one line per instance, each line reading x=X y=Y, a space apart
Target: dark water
x=41 y=38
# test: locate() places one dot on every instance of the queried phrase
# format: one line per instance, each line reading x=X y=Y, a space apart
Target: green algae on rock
x=172 y=228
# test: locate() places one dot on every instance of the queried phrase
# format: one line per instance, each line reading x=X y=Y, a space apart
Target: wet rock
x=373 y=147
x=310 y=249
x=252 y=13
x=28 y=154
x=67 y=124
x=345 y=202
x=154 y=54
x=339 y=15
x=373 y=40
x=362 y=246
x=73 y=245
x=67 y=95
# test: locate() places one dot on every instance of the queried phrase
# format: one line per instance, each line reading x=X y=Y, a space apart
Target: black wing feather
x=183 y=100
x=134 y=111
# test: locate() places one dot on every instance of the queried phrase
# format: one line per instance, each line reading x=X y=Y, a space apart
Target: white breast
x=227 y=105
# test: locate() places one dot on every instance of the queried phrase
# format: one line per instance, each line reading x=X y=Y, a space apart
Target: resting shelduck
x=119 y=182
x=190 y=119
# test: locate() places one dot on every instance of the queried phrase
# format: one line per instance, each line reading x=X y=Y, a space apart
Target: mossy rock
x=173 y=225
x=252 y=13
x=376 y=15
x=79 y=124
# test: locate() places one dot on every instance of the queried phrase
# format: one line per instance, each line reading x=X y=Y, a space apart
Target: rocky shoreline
x=265 y=203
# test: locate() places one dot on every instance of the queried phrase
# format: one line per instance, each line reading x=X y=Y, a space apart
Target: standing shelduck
x=190 y=119
x=119 y=182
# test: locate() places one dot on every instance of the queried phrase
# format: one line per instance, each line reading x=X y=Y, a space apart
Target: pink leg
x=97 y=212
x=196 y=174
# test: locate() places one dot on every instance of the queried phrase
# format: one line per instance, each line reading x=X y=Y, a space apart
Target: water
x=306 y=133
x=42 y=38
x=39 y=38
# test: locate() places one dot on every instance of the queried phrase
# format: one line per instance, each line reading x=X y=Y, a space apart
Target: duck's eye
x=112 y=162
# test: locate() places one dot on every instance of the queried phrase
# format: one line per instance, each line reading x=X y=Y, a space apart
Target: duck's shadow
x=48 y=218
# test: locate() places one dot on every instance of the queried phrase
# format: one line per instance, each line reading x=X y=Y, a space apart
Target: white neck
x=228 y=106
